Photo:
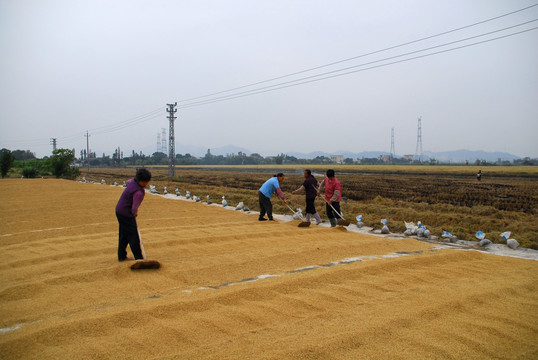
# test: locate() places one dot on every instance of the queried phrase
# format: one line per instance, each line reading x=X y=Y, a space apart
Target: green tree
x=159 y=158
x=23 y=155
x=29 y=172
x=6 y=161
x=61 y=163
x=208 y=159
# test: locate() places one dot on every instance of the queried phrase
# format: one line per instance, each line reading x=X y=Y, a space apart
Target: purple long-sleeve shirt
x=310 y=187
x=130 y=199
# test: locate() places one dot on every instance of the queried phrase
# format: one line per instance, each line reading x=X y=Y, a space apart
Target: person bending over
x=127 y=211
x=264 y=195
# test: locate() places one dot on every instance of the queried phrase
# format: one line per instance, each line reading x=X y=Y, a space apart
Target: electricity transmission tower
x=88 y=149
x=163 y=140
x=392 y=151
x=418 y=152
x=171 y=143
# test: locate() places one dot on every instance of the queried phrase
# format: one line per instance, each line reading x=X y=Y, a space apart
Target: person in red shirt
x=333 y=195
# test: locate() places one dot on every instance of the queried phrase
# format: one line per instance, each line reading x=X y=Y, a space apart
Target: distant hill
x=346 y=154
x=471 y=156
x=229 y=149
x=456 y=156
x=200 y=151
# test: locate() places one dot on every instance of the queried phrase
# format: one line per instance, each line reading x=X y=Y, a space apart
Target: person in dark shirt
x=127 y=211
x=310 y=187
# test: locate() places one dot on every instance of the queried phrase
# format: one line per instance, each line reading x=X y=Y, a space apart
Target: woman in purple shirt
x=127 y=211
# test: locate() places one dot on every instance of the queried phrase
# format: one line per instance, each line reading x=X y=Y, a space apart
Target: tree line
x=60 y=164
x=63 y=162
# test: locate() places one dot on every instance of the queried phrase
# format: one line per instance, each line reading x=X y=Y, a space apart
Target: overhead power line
x=68 y=139
x=343 y=71
x=187 y=103
x=212 y=97
x=113 y=128
x=136 y=119
x=359 y=56
x=117 y=126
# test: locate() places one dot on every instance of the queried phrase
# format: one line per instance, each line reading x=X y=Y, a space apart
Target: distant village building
x=385 y=158
x=339 y=159
x=409 y=157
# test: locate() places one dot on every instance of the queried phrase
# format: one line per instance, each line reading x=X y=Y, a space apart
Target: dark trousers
x=310 y=207
x=128 y=235
x=330 y=212
x=265 y=206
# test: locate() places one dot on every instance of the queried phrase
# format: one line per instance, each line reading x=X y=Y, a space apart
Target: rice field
x=444 y=198
x=231 y=287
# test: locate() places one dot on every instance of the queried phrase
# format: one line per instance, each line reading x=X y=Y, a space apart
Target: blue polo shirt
x=269 y=187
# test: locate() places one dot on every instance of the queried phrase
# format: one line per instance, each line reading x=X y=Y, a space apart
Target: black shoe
x=262 y=219
x=271 y=219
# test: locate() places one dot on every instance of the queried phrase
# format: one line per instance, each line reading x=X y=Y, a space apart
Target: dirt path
x=231 y=287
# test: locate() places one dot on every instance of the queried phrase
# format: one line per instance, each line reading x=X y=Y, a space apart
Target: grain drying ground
x=231 y=287
x=441 y=197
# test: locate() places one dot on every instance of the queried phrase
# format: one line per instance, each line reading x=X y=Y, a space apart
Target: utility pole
x=88 y=149
x=392 y=151
x=171 y=143
x=418 y=151
x=53 y=143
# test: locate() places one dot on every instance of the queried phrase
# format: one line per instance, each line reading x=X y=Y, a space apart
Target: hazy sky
x=111 y=67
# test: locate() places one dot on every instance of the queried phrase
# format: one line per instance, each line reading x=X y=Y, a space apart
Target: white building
x=339 y=159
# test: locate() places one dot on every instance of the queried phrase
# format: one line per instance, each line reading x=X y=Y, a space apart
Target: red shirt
x=331 y=187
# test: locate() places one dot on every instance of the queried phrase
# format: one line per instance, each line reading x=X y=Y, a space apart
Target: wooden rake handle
x=332 y=207
x=289 y=207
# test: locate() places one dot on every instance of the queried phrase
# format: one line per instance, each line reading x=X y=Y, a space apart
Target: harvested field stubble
x=232 y=287
x=442 y=199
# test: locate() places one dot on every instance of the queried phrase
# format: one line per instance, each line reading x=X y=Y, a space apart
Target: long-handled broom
x=342 y=221
x=303 y=223
x=144 y=263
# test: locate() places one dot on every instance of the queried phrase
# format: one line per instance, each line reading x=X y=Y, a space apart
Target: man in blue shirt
x=266 y=191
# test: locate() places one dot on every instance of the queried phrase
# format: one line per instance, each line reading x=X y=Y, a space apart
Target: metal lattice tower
x=158 y=147
x=171 y=142
x=418 y=152
x=163 y=140
x=392 y=151
x=88 y=149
